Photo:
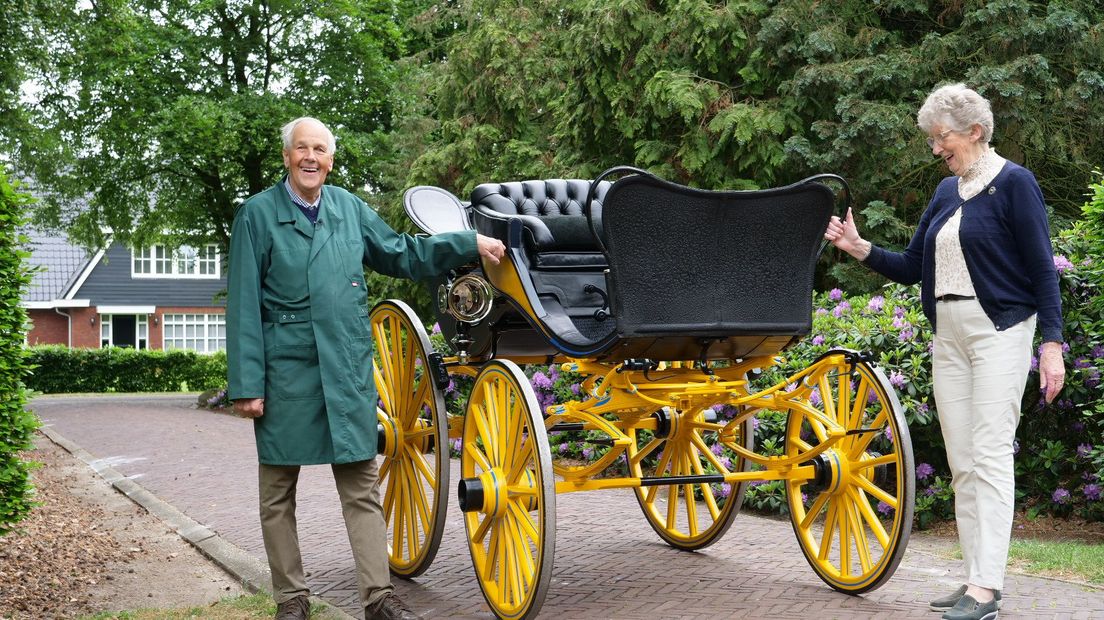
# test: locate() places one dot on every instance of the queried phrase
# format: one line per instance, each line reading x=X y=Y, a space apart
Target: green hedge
x=17 y=425
x=61 y=369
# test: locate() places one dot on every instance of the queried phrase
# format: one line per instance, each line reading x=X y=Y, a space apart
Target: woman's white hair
x=957 y=108
x=289 y=129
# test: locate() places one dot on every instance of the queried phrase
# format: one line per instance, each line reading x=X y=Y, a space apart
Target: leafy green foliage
x=751 y=94
x=17 y=424
x=149 y=117
x=61 y=369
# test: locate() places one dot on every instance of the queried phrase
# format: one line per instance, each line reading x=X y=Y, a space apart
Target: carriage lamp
x=468 y=299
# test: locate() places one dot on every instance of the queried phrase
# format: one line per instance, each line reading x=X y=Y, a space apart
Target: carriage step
x=669 y=480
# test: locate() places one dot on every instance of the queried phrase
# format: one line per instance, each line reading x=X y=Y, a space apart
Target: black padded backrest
x=558 y=204
x=551 y=198
x=685 y=261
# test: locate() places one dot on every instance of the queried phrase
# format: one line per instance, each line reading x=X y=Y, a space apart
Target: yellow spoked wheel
x=854 y=517
x=507 y=492
x=694 y=514
x=413 y=439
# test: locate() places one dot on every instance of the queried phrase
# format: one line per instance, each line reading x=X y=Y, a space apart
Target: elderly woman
x=983 y=258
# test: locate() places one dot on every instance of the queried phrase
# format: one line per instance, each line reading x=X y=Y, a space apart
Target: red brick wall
x=50 y=327
x=47 y=327
x=86 y=332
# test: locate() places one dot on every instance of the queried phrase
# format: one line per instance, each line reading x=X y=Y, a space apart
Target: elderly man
x=299 y=350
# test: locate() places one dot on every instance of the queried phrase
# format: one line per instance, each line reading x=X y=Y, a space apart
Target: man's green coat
x=298 y=333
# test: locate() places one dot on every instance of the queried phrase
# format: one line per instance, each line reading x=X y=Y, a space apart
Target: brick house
x=149 y=298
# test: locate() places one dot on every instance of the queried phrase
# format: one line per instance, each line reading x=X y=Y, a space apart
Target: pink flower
x=1061 y=263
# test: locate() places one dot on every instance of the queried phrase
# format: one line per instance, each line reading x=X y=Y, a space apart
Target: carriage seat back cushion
x=551 y=212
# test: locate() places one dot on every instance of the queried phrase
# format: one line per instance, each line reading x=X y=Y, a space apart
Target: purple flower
x=922 y=408
x=821 y=311
x=717 y=448
x=723 y=491
x=885 y=508
x=905 y=335
x=457 y=444
x=923 y=470
x=1098 y=351
x=835 y=294
x=1082 y=362
x=726 y=463
x=540 y=381
x=563 y=448
x=1060 y=496
x=841 y=309
x=814 y=398
x=899 y=322
x=818 y=339
x=1083 y=450
x=888 y=433
x=436 y=328
x=576 y=389
x=897 y=379
x=1061 y=263
x=1077 y=427
x=1092 y=492
x=451 y=387
x=875 y=304
x=1092 y=379
x=929 y=491
x=755 y=424
x=1034 y=364
x=899 y=312
x=587 y=453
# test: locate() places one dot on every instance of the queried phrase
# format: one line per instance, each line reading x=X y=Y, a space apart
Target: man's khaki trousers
x=979 y=375
x=358 y=487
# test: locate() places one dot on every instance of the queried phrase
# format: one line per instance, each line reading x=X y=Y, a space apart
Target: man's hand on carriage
x=490 y=248
x=249 y=407
x=845 y=235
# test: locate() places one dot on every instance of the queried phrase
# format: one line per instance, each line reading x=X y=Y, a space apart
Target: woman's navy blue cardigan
x=1006 y=243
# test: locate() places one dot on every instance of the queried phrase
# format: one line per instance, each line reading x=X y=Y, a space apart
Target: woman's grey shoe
x=947 y=602
x=969 y=609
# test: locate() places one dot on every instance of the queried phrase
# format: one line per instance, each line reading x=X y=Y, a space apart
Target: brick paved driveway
x=608 y=563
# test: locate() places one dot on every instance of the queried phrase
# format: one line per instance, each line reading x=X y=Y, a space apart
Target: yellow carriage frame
x=846 y=463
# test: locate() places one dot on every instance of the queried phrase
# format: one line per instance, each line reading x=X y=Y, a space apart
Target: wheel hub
x=390 y=437
x=831 y=469
x=486 y=493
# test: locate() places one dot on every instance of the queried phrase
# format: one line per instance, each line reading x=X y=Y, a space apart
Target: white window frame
x=141 y=331
x=209 y=328
x=183 y=263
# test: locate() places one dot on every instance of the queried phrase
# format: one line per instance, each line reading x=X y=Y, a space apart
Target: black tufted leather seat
x=556 y=232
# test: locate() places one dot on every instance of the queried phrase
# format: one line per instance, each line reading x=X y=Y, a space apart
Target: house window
x=204 y=333
x=124 y=330
x=158 y=261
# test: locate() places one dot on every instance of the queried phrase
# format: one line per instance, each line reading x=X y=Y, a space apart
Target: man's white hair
x=957 y=108
x=289 y=129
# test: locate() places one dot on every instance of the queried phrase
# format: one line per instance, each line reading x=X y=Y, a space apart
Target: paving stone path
x=608 y=562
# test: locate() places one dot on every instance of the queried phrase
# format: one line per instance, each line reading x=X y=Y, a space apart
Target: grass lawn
x=1068 y=560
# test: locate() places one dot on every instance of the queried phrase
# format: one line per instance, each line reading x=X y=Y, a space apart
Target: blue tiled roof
x=62 y=264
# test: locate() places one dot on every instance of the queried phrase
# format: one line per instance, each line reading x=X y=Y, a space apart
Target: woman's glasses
x=938 y=139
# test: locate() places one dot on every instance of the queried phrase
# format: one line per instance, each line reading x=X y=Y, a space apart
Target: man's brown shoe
x=389 y=607
x=297 y=608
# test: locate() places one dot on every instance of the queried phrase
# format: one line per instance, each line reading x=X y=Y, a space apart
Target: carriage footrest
x=669 y=480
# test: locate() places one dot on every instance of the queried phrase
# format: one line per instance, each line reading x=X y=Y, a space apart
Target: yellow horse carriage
x=670 y=303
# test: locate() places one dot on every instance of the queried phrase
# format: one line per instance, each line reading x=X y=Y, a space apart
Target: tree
x=755 y=93
x=161 y=116
x=17 y=425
